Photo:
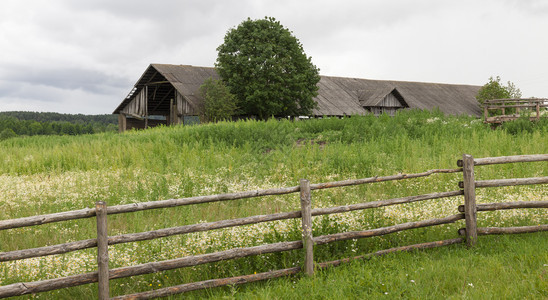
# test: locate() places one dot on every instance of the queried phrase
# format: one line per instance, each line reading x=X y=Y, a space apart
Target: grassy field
x=47 y=174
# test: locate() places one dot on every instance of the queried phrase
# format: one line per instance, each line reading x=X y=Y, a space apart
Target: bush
x=494 y=89
x=524 y=125
x=219 y=103
x=7 y=133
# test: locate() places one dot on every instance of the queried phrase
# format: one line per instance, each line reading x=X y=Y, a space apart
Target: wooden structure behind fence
x=532 y=107
x=103 y=275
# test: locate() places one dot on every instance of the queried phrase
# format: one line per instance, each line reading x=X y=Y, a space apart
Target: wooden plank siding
x=391 y=101
x=137 y=106
x=389 y=105
x=184 y=108
x=379 y=102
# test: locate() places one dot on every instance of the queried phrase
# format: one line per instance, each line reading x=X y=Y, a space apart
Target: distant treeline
x=18 y=123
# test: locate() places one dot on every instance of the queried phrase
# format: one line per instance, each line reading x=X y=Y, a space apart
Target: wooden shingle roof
x=449 y=98
x=337 y=96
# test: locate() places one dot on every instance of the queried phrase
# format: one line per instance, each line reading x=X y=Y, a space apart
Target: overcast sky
x=84 y=56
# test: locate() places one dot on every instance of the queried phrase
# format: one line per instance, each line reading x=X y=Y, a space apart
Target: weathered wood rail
x=468 y=212
x=533 y=104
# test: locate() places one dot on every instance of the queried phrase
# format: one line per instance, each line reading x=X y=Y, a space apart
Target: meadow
x=47 y=174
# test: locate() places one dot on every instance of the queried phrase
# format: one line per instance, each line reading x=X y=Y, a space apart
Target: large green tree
x=266 y=68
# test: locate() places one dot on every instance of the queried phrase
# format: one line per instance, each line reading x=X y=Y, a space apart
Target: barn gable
x=382 y=100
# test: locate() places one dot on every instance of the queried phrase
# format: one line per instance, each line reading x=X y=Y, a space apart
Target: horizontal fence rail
x=385 y=230
x=518 y=100
x=187 y=287
x=511 y=182
x=529 y=105
x=103 y=275
x=134 y=207
x=498 y=107
x=507 y=230
x=522 y=105
x=506 y=159
x=508 y=182
x=190 y=261
x=154 y=234
x=511 y=230
x=508 y=205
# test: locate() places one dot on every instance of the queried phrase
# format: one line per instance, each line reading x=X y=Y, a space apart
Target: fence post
x=469 y=200
x=306 y=214
x=102 y=250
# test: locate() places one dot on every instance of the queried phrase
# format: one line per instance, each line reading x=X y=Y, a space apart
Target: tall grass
x=57 y=173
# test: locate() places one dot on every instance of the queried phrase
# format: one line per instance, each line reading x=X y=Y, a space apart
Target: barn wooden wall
x=137 y=106
x=183 y=107
x=389 y=105
x=135 y=113
x=391 y=101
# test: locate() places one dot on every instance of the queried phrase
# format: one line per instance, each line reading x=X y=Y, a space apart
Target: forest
x=23 y=123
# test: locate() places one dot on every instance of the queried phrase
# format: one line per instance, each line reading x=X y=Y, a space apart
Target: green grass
x=500 y=267
x=50 y=174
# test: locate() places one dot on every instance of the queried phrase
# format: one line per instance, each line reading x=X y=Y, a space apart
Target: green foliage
x=495 y=90
x=7 y=133
x=267 y=143
x=524 y=125
x=454 y=272
x=33 y=123
x=58 y=117
x=219 y=103
x=266 y=68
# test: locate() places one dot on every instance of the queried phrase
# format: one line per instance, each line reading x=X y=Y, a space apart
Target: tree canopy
x=495 y=90
x=266 y=68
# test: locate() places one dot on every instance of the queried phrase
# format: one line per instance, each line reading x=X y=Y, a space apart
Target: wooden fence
x=468 y=211
x=532 y=104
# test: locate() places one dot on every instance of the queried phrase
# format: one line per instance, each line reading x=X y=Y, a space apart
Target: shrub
x=7 y=133
x=219 y=103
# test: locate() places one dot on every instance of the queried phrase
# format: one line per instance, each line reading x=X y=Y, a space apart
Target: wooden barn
x=169 y=94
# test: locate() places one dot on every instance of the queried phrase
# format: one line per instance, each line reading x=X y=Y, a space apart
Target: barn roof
x=347 y=92
x=337 y=96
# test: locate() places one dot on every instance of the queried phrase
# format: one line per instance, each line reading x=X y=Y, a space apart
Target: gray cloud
x=84 y=56
x=66 y=78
